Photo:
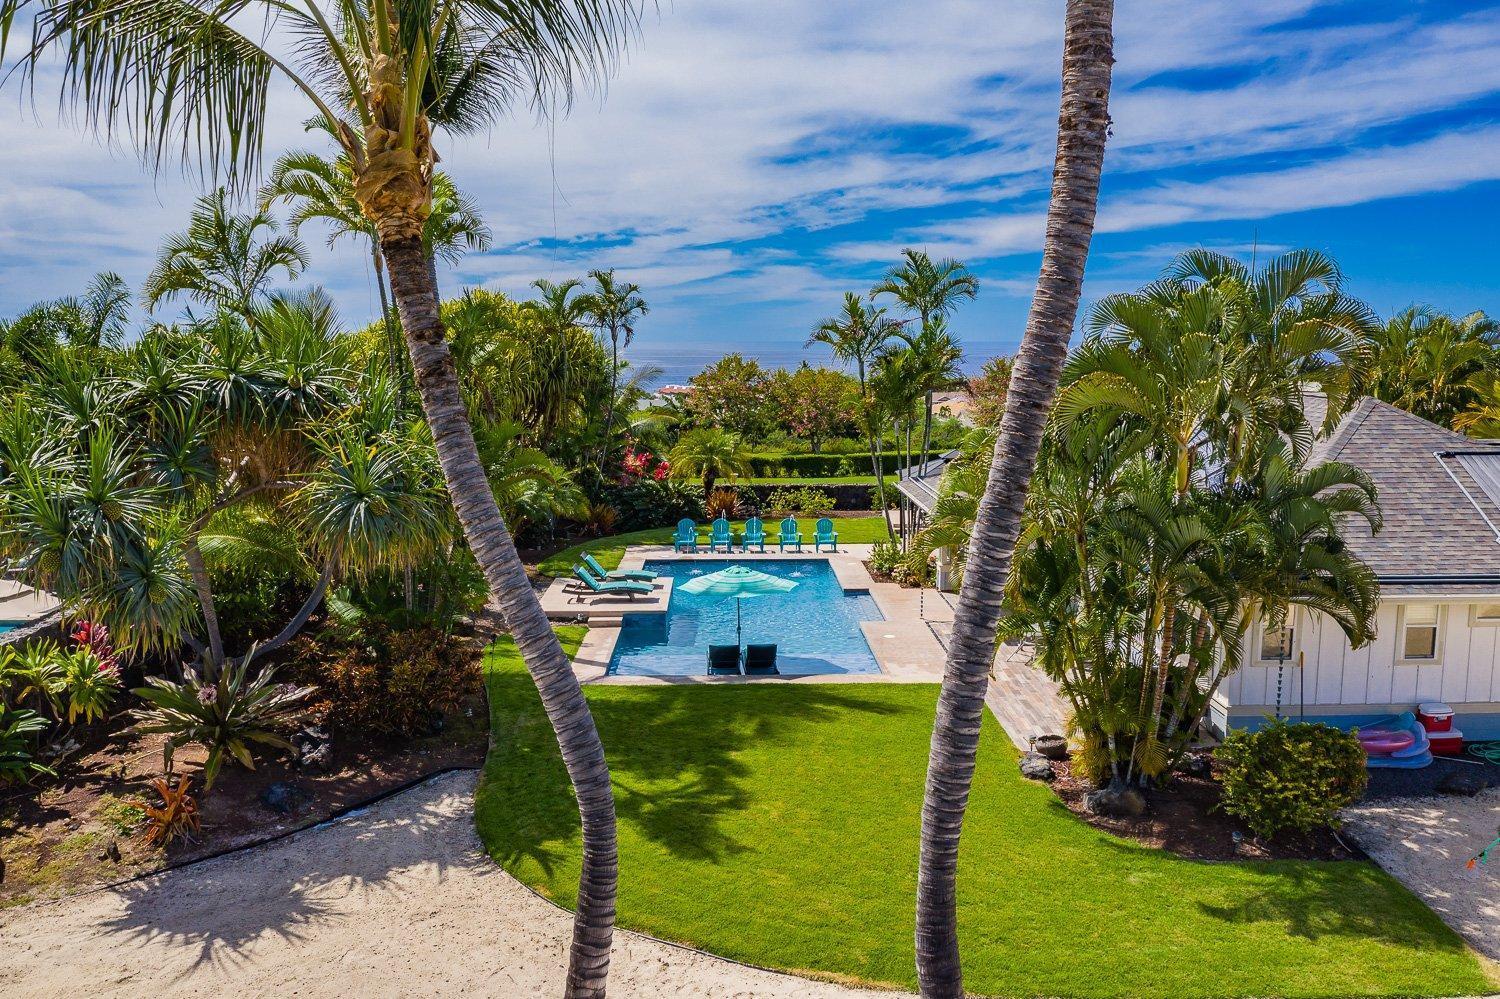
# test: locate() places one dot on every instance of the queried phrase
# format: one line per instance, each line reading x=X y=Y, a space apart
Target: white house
x=1438 y=562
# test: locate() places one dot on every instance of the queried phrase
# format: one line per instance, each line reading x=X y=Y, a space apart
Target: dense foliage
x=1287 y=777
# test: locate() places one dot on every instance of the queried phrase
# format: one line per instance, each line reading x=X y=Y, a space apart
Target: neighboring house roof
x=920 y=483
x=1441 y=532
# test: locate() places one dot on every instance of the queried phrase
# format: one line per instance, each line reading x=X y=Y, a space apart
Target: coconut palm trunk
x=582 y=752
x=1083 y=124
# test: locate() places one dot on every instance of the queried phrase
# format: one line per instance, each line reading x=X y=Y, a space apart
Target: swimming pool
x=815 y=627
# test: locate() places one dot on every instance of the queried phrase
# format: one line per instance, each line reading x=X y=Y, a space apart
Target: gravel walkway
x=398 y=900
x=1425 y=843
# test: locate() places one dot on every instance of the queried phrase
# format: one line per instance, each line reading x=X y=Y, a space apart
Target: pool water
x=815 y=627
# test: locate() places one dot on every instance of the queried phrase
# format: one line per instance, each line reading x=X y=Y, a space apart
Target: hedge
x=774 y=464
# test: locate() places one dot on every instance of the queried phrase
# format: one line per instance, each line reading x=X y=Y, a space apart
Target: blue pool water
x=815 y=627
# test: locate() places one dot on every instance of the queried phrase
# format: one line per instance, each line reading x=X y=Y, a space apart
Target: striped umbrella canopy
x=737 y=583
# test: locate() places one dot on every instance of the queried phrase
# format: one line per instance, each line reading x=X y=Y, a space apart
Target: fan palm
x=1082 y=128
x=709 y=453
x=613 y=308
x=190 y=73
x=857 y=335
x=223 y=260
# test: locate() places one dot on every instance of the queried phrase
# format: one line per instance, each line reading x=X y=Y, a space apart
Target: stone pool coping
x=906 y=646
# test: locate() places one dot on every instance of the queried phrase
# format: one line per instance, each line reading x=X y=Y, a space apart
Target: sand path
x=1424 y=843
x=398 y=900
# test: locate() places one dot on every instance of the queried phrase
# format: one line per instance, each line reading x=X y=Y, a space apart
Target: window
x=1484 y=614
x=1419 y=632
x=1276 y=644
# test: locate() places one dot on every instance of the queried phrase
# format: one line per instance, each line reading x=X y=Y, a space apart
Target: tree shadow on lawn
x=675 y=756
x=1307 y=899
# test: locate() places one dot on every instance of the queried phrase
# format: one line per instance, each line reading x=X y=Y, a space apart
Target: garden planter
x=1054 y=747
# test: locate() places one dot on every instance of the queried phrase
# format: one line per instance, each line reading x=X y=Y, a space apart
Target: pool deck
x=909 y=645
x=19 y=602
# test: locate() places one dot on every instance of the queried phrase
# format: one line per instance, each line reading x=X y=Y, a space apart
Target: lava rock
x=111 y=850
x=1035 y=766
x=1053 y=747
x=314 y=747
x=1465 y=783
x=1116 y=802
x=1197 y=765
x=281 y=798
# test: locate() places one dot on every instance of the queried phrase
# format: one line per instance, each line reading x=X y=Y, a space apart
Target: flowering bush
x=639 y=465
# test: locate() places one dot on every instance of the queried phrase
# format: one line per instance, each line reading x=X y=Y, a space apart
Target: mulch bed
x=60 y=834
x=1184 y=818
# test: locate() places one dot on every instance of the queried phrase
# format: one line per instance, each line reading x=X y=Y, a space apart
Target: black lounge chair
x=760 y=660
x=723 y=660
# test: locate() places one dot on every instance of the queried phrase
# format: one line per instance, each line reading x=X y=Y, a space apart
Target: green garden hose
x=1487 y=751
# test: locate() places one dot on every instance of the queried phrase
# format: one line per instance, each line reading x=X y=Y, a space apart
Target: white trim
x=1475 y=621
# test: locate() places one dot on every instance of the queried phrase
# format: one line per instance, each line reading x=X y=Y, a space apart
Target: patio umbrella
x=737 y=583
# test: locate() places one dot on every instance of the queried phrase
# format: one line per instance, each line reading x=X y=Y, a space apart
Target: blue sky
x=751 y=162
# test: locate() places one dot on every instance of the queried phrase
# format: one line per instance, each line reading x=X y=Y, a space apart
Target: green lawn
x=609 y=551
x=778 y=825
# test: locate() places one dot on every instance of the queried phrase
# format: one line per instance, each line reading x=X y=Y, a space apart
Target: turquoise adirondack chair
x=755 y=534
x=825 y=535
x=719 y=535
x=789 y=534
x=686 y=538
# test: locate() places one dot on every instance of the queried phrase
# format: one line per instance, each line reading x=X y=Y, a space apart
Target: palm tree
x=1088 y=58
x=857 y=335
x=935 y=360
x=98 y=317
x=1428 y=363
x=223 y=260
x=613 y=308
x=932 y=290
x=708 y=453
x=185 y=71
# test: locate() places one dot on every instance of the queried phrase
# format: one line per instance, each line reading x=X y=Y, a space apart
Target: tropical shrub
x=722 y=502
x=18 y=729
x=885 y=558
x=825 y=465
x=374 y=679
x=1290 y=777
x=34 y=673
x=599 y=518
x=652 y=503
x=806 y=499
x=90 y=684
x=224 y=715
x=177 y=815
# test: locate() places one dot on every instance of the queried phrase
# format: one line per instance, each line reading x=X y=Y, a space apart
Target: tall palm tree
x=857 y=335
x=1083 y=124
x=223 y=260
x=193 y=74
x=935 y=359
x=932 y=290
x=613 y=307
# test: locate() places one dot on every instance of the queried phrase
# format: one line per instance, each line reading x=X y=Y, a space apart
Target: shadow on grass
x=674 y=755
x=1306 y=899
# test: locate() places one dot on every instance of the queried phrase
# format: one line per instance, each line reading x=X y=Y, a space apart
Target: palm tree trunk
x=1083 y=124
x=614 y=391
x=199 y=573
x=393 y=351
x=493 y=548
x=865 y=406
x=319 y=590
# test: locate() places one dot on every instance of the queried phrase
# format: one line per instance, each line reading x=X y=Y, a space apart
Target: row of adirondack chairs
x=720 y=535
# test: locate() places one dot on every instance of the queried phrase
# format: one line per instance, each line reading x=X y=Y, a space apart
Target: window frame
x=1289 y=624
x=1438 y=626
x=1477 y=620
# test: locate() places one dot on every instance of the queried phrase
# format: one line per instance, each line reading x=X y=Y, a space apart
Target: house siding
x=1346 y=685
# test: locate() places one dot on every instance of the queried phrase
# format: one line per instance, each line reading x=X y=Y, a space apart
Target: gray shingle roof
x=1434 y=529
x=920 y=483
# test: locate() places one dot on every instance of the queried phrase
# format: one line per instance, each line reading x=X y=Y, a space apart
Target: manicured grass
x=778 y=825
x=827 y=480
x=609 y=550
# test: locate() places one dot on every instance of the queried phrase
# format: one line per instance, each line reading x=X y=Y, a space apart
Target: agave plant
x=224 y=715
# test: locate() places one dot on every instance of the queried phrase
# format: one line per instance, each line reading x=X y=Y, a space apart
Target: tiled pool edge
x=904 y=645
